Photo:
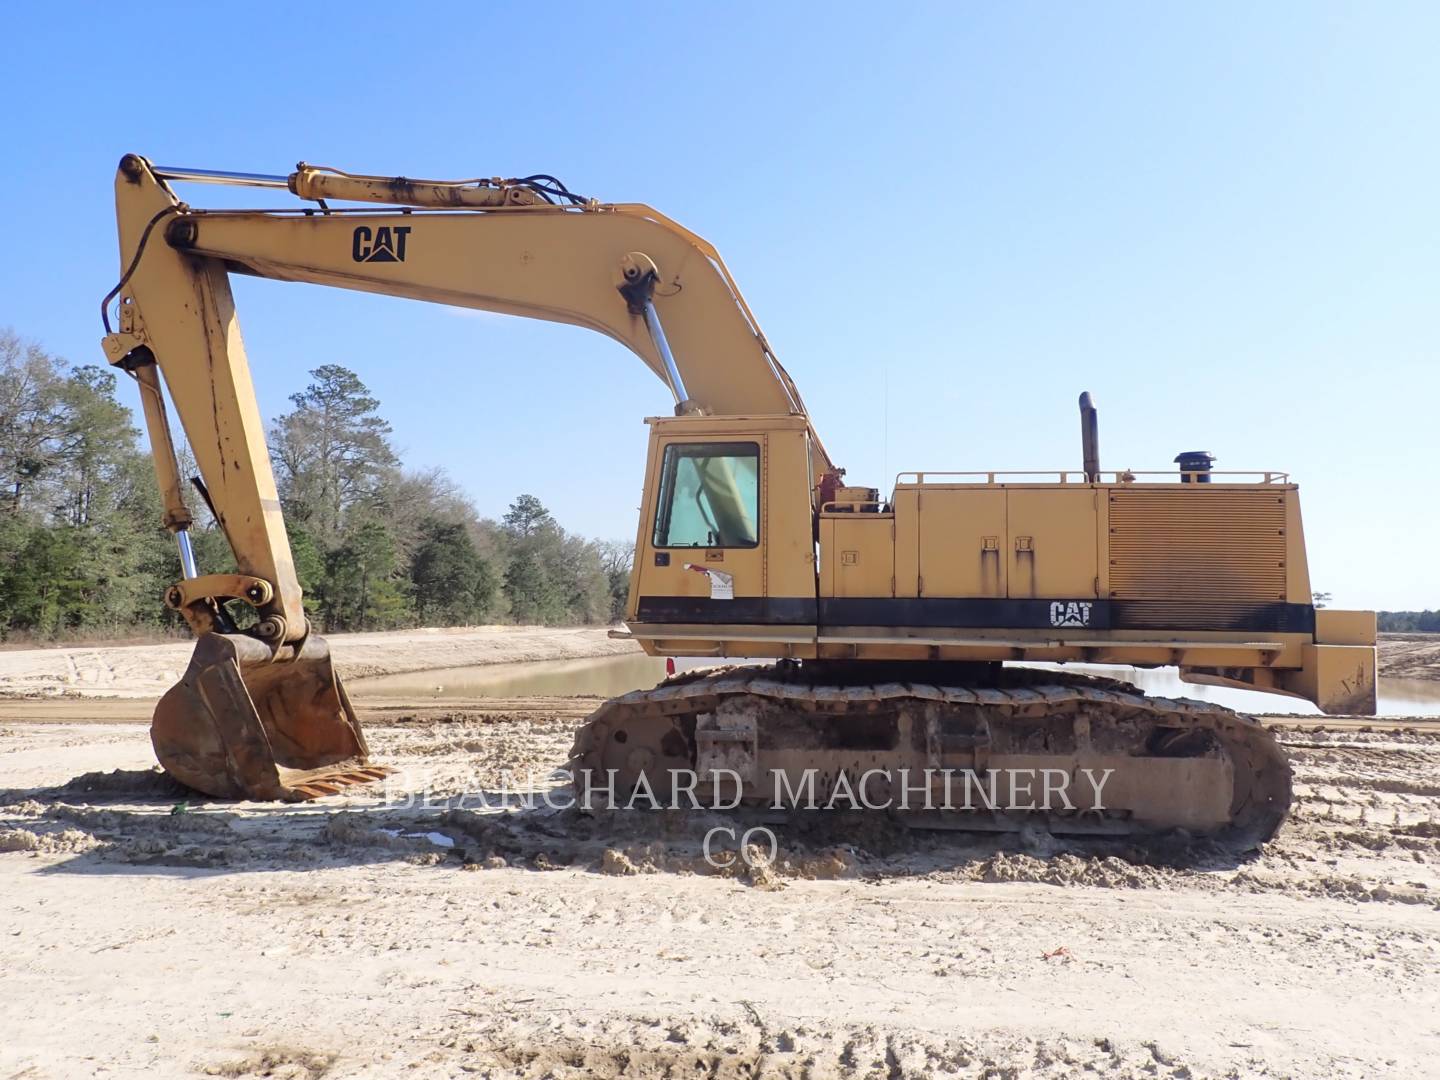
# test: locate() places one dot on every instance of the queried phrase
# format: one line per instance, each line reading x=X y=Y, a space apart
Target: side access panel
x=857 y=555
x=962 y=539
x=1053 y=543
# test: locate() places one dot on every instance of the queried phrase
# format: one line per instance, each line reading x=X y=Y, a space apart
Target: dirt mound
x=1068 y=869
x=63 y=842
x=749 y=1042
x=277 y=1064
x=124 y=784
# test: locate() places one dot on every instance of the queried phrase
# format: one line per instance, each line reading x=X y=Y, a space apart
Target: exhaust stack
x=1090 y=438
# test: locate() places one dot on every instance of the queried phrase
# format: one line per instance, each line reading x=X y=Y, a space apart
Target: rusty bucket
x=244 y=723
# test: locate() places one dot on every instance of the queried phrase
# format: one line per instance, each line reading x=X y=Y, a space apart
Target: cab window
x=709 y=496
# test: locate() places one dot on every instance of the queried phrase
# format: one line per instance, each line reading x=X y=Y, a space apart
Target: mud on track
x=379 y=935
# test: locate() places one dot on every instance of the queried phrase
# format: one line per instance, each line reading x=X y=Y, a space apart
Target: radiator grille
x=1198 y=545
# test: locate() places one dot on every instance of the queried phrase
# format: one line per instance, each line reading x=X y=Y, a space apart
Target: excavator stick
x=258 y=715
x=242 y=724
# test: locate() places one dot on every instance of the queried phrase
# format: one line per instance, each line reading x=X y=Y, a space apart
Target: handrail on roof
x=1077 y=476
x=919 y=477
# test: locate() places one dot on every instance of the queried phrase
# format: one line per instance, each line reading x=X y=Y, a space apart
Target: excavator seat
x=244 y=724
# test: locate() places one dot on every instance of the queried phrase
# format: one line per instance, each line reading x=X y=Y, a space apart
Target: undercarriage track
x=1070 y=753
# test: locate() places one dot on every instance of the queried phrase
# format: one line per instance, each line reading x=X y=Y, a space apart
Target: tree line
x=377 y=545
x=1408 y=622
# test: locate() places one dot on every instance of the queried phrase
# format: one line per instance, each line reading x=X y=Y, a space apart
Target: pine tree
x=331 y=453
x=452 y=584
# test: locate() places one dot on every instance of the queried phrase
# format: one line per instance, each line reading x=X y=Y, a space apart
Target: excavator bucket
x=242 y=724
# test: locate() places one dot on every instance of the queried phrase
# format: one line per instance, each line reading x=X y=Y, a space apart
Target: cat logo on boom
x=384 y=244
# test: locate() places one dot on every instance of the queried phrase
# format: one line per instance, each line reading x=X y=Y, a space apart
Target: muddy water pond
x=612 y=675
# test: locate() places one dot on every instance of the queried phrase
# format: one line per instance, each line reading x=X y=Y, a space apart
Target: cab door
x=702 y=543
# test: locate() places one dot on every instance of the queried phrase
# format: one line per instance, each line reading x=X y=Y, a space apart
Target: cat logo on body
x=383 y=244
x=1070 y=613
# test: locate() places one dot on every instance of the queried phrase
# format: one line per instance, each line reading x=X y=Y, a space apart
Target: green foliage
x=309 y=566
x=552 y=577
x=534 y=582
x=360 y=589
x=331 y=453
x=452 y=583
x=527 y=517
x=54 y=591
x=82 y=549
x=617 y=558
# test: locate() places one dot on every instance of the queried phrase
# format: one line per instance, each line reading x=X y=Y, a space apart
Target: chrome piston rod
x=672 y=373
x=220 y=176
x=187 y=555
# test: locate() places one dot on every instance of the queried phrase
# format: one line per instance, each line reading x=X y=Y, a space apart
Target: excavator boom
x=262 y=713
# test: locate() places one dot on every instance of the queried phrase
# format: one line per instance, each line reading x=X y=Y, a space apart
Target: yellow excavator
x=905 y=627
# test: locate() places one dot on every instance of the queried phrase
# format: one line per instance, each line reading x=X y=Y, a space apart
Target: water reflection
x=613 y=675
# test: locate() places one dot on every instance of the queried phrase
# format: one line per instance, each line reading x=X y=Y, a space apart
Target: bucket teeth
x=333 y=783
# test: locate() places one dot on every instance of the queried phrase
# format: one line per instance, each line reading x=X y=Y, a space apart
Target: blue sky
x=1221 y=219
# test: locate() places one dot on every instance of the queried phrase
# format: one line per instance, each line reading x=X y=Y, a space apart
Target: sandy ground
x=147 y=671
x=1410 y=656
x=413 y=930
